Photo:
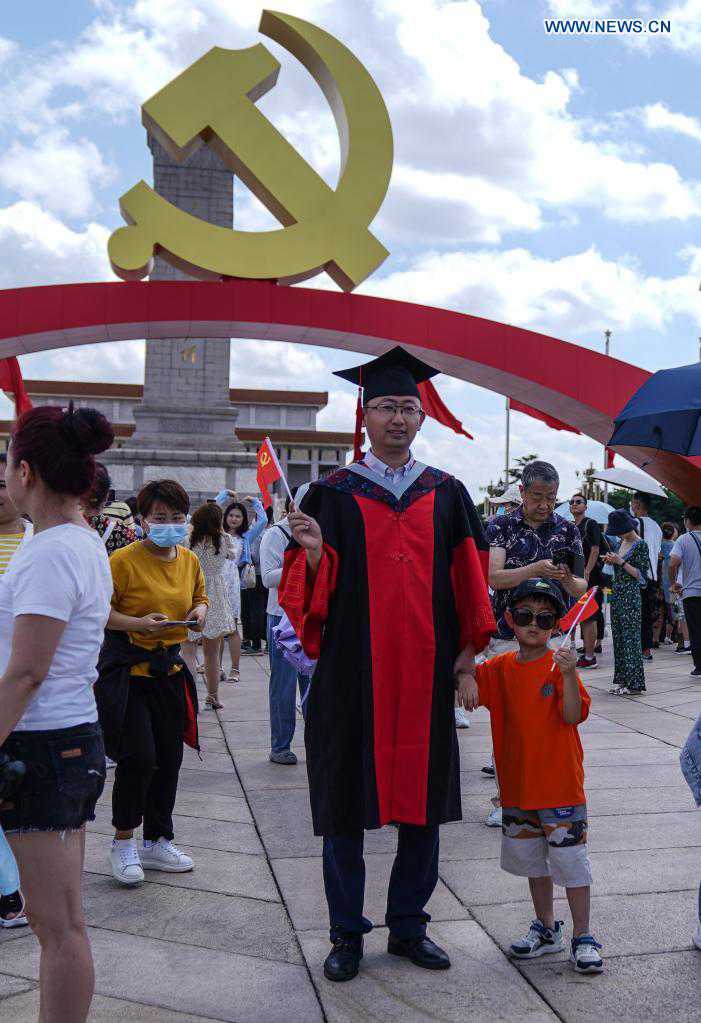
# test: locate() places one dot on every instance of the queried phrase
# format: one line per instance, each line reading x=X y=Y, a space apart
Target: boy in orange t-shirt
x=535 y=709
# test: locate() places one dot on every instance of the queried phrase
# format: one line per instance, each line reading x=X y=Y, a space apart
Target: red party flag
x=269 y=470
x=434 y=407
x=12 y=384
x=554 y=424
x=585 y=608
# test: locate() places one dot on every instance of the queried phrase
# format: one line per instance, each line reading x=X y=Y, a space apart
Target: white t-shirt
x=652 y=534
x=62 y=573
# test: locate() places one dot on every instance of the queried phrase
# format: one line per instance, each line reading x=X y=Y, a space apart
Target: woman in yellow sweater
x=158 y=587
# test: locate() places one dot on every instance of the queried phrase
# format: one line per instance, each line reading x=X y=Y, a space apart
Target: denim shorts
x=65 y=778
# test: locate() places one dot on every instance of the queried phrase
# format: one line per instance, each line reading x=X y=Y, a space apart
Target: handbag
x=248 y=576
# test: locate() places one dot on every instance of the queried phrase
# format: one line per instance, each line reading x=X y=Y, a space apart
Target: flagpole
x=508 y=444
x=607 y=335
x=577 y=620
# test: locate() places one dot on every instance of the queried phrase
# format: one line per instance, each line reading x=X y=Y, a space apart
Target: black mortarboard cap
x=395 y=372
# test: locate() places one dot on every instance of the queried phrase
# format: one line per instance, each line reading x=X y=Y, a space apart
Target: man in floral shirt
x=534 y=542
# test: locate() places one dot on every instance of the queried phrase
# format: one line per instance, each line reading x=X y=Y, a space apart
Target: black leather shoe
x=343 y=961
x=422 y=952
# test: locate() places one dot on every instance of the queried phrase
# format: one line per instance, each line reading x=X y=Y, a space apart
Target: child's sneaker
x=584 y=955
x=539 y=941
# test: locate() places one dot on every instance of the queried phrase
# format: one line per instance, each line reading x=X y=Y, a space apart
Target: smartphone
x=190 y=622
x=561 y=556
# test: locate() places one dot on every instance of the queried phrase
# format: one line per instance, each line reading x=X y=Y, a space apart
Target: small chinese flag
x=610 y=458
x=586 y=606
x=269 y=470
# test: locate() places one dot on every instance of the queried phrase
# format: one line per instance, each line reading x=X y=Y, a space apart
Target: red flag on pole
x=610 y=458
x=585 y=608
x=434 y=407
x=554 y=424
x=269 y=470
x=12 y=384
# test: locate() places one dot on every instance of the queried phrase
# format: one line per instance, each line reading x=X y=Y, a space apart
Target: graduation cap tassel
x=358 y=437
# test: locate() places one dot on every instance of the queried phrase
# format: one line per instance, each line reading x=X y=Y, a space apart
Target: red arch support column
x=579 y=386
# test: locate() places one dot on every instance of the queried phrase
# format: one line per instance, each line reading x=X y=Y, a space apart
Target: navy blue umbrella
x=665 y=413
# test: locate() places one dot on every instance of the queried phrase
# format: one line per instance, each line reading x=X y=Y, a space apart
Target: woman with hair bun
x=115 y=534
x=54 y=605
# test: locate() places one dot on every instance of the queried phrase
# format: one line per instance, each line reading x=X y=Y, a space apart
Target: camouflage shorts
x=547 y=843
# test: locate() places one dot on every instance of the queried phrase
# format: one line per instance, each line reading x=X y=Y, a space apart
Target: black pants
x=648 y=613
x=692 y=610
x=150 y=755
x=413 y=880
x=253 y=613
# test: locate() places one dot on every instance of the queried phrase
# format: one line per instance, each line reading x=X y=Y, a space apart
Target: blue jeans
x=283 y=693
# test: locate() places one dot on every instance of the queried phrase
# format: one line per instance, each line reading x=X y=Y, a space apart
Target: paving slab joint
x=317 y=993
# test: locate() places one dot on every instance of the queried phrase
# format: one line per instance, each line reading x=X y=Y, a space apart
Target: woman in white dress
x=215 y=551
x=237 y=528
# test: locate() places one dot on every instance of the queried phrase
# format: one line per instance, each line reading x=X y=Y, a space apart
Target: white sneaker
x=125 y=862
x=585 y=955
x=109 y=764
x=462 y=718
x=697 y=938
x=539 y=941
x=494 y=818
x=163 y=855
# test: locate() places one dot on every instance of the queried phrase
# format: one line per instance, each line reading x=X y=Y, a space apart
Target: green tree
x=662 y=509
x=515 y=473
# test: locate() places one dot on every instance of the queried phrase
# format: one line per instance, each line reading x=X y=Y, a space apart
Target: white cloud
x=38 y=248
x=685 y=17
x=567 y=297
x=491 y=149
x=461 y=206
x=61 y=173
x=658 y=117
x=582 y=8
x=275 y=364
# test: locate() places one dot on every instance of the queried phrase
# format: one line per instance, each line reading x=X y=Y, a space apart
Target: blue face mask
x=167 y=534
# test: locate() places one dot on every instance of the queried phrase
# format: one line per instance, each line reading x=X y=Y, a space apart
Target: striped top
x=9 y=542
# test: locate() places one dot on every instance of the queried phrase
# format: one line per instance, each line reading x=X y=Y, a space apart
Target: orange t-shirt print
x=539 y=758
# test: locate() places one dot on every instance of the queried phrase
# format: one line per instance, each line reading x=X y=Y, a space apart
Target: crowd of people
x=379 y=573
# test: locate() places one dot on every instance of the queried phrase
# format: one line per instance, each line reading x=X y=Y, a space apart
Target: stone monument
x=185 y=425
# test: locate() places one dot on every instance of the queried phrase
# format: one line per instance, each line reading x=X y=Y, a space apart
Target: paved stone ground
x=242 y=938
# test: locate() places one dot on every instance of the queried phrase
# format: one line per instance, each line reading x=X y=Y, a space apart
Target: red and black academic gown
x=400 y=590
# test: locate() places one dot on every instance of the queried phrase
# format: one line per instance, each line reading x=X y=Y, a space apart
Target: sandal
x=234 y=675
x=12 y=904
x=213 y=702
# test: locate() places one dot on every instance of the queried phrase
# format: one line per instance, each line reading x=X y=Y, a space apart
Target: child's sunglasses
x=544 y=619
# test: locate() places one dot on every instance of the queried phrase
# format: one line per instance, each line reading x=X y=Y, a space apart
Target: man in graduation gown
x=384 y=583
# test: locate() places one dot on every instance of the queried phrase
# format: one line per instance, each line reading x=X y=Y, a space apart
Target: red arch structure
x=582 y=388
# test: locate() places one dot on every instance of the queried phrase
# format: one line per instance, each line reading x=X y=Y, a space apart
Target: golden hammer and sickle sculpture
x=213 y=102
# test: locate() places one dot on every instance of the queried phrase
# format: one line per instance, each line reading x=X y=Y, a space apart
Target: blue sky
x=551 y=182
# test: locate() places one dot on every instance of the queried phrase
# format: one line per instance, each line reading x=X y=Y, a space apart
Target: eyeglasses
x=388 y=409
x=544 y=619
